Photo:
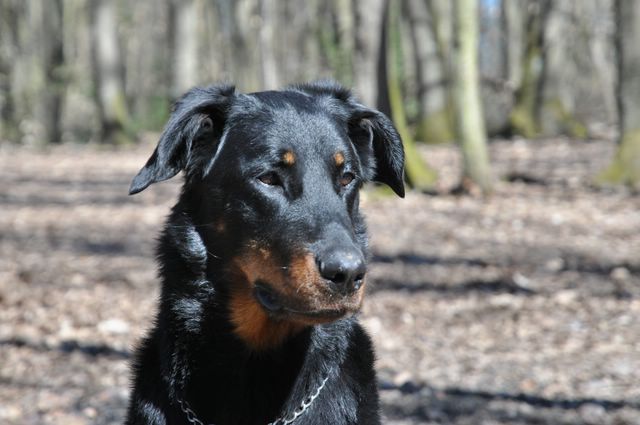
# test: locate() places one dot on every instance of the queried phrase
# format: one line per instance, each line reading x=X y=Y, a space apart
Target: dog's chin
x=308 y=312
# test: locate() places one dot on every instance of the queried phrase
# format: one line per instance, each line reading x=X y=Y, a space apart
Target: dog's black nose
x=344 y=268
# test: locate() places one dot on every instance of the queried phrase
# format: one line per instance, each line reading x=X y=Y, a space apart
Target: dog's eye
x=346 y=179
x=270 y=179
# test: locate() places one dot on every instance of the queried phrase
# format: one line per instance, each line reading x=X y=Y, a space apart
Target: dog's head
x=272 y=178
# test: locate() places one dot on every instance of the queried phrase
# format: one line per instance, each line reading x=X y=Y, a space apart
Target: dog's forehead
x=281 y=121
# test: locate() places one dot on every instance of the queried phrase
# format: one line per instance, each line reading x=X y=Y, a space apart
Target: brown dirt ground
x=521 y=308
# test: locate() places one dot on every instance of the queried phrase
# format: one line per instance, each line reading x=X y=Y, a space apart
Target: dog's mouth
x=277 y=305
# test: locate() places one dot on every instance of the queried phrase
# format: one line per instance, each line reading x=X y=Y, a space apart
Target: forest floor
x=520 y=308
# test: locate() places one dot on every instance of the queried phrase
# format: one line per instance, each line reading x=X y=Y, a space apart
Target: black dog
x=262 y=260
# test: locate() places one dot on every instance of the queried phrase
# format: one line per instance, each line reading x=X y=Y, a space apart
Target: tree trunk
x=299 y=34
x=239 y=22
x=336 y=37
x=603 y=63
x=7 y=118
x=512 y=15
x=435 y=119
x=441 y=14
x=344 y=23
x=625 y=168
x=267 y=49
x=419 y=175
x=369 y=20
x=567 y=65
x=525 y=116
x=49 y=108
x=36 y=81
x=183 y=17
x=470 y=128
x=9 y=52
x=108 y=73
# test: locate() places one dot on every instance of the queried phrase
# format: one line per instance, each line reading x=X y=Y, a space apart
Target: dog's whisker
x=183 y=226
x=217 y=257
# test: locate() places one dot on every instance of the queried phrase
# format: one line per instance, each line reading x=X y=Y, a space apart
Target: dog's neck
x=284 y=418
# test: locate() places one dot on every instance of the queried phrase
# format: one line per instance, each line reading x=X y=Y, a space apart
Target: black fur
x=226 y=143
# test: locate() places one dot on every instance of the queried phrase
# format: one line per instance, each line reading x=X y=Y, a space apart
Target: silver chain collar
x=282 y=420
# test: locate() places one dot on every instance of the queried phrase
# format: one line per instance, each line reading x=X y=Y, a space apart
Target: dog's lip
x=272 y=302
x=324 y=314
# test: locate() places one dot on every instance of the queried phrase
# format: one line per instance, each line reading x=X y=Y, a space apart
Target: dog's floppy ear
x=371 y=130
x=199 y=114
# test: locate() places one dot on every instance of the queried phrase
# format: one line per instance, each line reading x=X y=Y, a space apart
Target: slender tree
x=470 y=128
x=369 y=25
x=337 y=37
x=268 y=64
x=10 y=17
x=108 y=75
x=525 y=116
x=419 y=174
x=48 y=109
x=299 y=33
x=435 y=119
x=239 y=21
x=512 y=17
x=344 y=25
x=31 y=70
x=625 y=168
x=183 y=45
x=568 y=65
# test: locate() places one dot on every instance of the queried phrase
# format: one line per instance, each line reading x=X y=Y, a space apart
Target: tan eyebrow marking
x=289 y=158
x=338 y=157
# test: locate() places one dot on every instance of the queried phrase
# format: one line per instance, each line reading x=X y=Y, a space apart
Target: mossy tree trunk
x=435 y=117
x=268 y=61
x=569 y=68
x=32 y=74
x=336 y=36
x=440 y=126
x=625 y=168
x=470 y=127
x=10 y=17
x=419 y=175
x=183 y=44
x=49 y=54
x=108 y=73
x=239 y=20
x=512 y=17
x=525 y=116
x=369 y=26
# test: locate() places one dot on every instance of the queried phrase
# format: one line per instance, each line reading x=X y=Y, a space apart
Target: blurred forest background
x=107 y=70
x=518 y=307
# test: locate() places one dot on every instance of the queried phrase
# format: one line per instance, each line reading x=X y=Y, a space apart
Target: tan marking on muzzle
x=254 y=326
x=251 y=322
x=338 y=157
x=310 y=285
x=316 y=291
x=299 y=286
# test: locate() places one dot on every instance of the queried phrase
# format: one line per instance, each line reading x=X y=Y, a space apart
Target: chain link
x=283 y=420
x=191 y=415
